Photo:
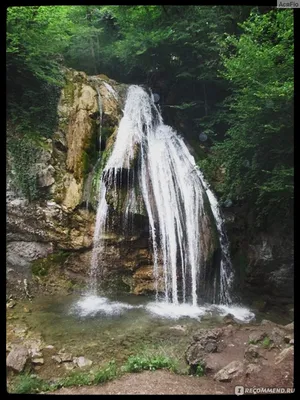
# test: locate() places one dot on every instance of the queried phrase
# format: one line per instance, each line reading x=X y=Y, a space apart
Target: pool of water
x=105 y=328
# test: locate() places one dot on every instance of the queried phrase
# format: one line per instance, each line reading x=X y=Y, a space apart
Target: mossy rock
x=42 y=267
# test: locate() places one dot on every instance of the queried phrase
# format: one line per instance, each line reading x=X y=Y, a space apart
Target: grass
x=266 y=342
x=106 y=374
x=200 y=370
x=28 y=384
x=25 y=383
x=139 y=363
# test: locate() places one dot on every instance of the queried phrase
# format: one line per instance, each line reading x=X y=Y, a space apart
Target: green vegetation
x=266 y=343
x=29 y=384
x=41 y=267
x=106 y=374
x=139 y=363
x=25 y=383
x=200 y=370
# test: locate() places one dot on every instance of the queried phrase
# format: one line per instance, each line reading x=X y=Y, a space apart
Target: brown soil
x=235 y=341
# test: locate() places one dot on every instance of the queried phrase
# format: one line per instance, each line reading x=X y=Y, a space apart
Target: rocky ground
x=251 y=355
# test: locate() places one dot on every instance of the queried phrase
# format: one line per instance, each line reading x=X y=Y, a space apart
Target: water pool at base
x=103 y=329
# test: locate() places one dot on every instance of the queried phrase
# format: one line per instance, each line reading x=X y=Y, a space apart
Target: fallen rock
x=289 y=327
x=49 y=346
x=204 y=334
x=286 y=354
x=17 y=358
x=11 y=304
x=69 y=365
x=288 y=338
x=257 y=336
x=65 y=356
x=252 y=353
x=37 y=361
x=292 y=341
x=228 y=319
x=178 y=328
x=82 y=362
x=57 y=359
x=252 y=368
x=232 y=370
x=277 y=336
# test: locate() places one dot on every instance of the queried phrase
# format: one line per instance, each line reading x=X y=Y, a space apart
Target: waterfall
x=173 y=189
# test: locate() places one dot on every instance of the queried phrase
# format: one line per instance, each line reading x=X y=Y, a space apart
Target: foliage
x=76 y=379
x=24 y=152
x=139 y=363
x=106 y=374
x=266 y=342
x=200 y=370
x=257 y=153
x=41 y=267
x=25 y=383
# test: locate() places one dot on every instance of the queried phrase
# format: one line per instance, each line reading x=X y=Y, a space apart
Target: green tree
x=257 y=153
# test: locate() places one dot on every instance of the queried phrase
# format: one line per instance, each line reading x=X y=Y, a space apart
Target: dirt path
x=154 y=382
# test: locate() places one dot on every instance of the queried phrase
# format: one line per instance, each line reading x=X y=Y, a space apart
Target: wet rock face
x=263 y=262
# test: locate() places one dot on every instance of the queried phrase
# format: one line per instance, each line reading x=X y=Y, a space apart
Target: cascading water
x=173 y=190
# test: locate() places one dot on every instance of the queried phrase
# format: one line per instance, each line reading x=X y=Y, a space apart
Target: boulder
x=82 y=362
x=257 y=336
x=277 y=336
x=232 y=370
x=286 y=354
x=289 y=327
x=252 y=368
x=17 y=358
x=252 y=353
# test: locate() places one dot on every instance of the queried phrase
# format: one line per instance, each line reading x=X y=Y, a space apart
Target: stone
x=289 y=327
x=203 y=334
x=286 y=354
x=27 y=310
x=82 y=362
x=49 y=346
x=178 y=328
x=37 y=361
x=57 y=359
x=277 y=336
x=288 y=338
x=69 y=365
x=232 y=370
x=45 y=175
x=228 y=319
x=38 y=355
x=65 y=356
x=292 y=341
x=252 y=368
x=252 y=353
x=11 y=304
x=257 y=336
x=17 y=358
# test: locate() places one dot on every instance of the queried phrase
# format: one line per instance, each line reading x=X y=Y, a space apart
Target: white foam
x=170 y=310
x=240 y=313
x=91 y=305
